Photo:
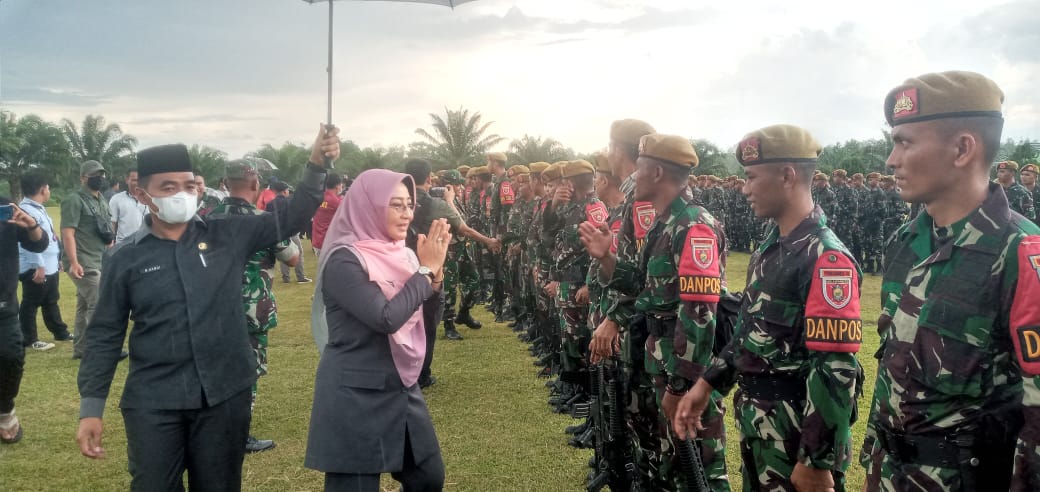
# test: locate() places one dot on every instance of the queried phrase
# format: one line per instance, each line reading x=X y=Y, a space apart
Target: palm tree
x=290 y=159
x=456 y=140
x=95 y=140
x=209 y=162
x=28 y=143
x=530 y=149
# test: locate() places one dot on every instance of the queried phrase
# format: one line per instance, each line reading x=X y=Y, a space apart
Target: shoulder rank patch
x=596 y=213
x=699 y=279
x=506 y=196
x=832 y=317
x=643 y=215
x=615 y=230
x=1025 y=310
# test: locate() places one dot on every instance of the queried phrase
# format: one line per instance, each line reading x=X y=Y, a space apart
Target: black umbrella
x=446 y=3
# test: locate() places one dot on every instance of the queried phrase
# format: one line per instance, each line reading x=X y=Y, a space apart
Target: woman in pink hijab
x=369 y=416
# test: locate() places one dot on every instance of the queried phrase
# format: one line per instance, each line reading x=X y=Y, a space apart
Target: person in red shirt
x=323 y=217
x=266 y=195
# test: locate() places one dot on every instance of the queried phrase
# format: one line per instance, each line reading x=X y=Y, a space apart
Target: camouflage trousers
x=514 y=284
x=642 y=414
x=872 y=243
x=574 y=327
x=712 y=442
x=770 y=433
x=460 y=280
x=258 y=341
x=546 y=315
x=888 y=475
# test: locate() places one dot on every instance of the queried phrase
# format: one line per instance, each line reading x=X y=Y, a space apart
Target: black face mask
x=95 y=183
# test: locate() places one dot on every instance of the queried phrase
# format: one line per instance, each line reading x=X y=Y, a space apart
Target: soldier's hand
x=449 y=194
x=89 y=437
x=809 y=479
x=606 y=342
x=552 y=288
x=495 y=246
x=326 y=145
x=688 y=413
x=582 y=296
x=561 y=196
x=669 y=403
x=596 y=238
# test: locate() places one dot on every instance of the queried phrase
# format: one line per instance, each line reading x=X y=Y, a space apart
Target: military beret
x=498 y=156
x=240 y=169
x=1033 y=168
x=599 y=159
x=537 y=167
x=671 y=149
x=577 y=168
x=628 y=132
x=554 y=171
x=463 y=170
x=90 y=168
x=873 y=175
x=715 y=178
x=839 y=172
x=778 y=143
x=857 y=175
x=518 y=170
x=888 y=179
x=452 y=177
x=943 y=95
x=819 y=175
x=1012 y=165
x=172 y=158
x=478 y=171
x=740 y=181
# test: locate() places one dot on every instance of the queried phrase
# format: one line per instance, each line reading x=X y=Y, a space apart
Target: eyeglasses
x=401 y=207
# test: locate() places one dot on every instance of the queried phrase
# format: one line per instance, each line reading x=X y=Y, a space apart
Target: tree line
x=454 y=138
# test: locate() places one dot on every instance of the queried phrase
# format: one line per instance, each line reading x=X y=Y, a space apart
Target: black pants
x=427 y=476
x=431 y=339
x=210 y=443
x=12 y=355
x=44 y=296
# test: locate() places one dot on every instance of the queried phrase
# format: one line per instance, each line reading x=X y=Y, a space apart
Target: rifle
x=692 y=466
x=615 y=463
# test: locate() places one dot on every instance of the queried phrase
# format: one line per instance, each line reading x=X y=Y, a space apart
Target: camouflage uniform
x=824 y=198
x=1021 y=200
x=257 y=296
x=503 y=195
x=896 y=213
x=959 y=291
x=518 y=222
x=871 y=224
x=460 y=273
x=797 y=396
x=846 y=211
x=676 y=278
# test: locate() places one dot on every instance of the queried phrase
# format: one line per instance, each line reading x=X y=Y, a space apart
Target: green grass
x=489 y=409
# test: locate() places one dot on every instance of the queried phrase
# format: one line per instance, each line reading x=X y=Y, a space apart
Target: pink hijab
x=360 y=226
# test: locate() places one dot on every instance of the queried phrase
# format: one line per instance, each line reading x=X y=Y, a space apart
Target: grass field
x=489 y=409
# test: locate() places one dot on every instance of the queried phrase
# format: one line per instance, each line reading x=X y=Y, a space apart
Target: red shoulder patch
x=699 y=279
x=506 y=195
x=1025 y=309
x=832 y=317
x=596 y=213
x=643 y=215
x=615 y=230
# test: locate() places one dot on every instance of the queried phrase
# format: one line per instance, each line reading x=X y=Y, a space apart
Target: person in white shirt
x=127 y=213
x=38 y=272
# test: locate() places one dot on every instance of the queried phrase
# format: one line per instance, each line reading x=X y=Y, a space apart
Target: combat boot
x=465 y=319
x=450 y=332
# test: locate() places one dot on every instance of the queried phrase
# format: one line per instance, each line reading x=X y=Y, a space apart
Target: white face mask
x=176 y=209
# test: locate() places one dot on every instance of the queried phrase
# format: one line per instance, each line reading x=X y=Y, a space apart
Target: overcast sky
x=235 y=74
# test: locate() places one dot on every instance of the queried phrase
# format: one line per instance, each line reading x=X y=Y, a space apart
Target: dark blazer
x=361 y=409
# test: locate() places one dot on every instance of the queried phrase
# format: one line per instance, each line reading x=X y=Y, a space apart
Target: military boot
x=450 y=332
x=465 y=319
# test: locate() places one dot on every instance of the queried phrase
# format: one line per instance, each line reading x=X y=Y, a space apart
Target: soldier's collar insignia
x=751 y=150
x=203 y=246
x=906 y=104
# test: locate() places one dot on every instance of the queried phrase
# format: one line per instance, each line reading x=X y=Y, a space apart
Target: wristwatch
x=424 y=270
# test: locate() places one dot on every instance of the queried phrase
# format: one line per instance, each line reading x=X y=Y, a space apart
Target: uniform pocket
x=953 y=347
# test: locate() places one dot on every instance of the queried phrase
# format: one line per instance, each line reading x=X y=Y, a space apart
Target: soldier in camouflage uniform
x=871 y=223
x=480 y=217
x=896 y=209
x=257 y=296
x=744 y=223
x=957 y=401
x=676 y=279
x=517 y=223
x=547 y=333
x=823 y=196
x=846 y=209
x=793 y=354
x=502 y=196
x=460 y=276
x=472 y=294
x=1028 y=177
x=527 y=277
x=573 y=203
x=1018 y=196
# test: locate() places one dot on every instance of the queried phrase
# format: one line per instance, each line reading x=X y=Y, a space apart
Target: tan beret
x=577 y=168
x=1033 y=168
x=943 y=95
x=463 y=169
x=537 y=167
x=873 y=175
x=839 y=172
x=778 y=143
x=497 y=156
x=819 y=175
x=599 y=159
x=518 y=170
x=1012 y=165
x=478 y=171
x=671 y=149
x=554 y=171
x=857 y=175
x=628 y=132
x=888 y=179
